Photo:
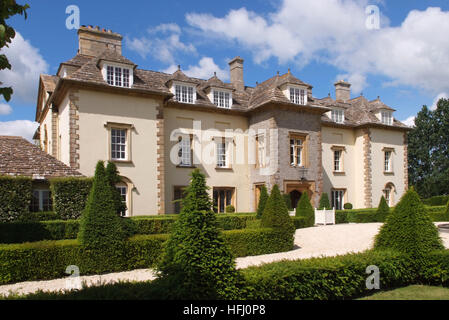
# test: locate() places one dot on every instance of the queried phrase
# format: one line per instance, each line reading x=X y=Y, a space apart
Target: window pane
x=118 y=144
x=110 y=75
x=126 y=78
x=118 y=76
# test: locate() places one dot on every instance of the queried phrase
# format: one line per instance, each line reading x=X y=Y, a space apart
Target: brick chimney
x=93 y=41
x=236 y=70
x=342 y=90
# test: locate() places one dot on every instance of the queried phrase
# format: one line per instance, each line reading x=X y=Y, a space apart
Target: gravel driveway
x=319 y=241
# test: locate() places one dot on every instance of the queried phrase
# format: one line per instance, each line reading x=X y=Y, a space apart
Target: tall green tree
x=8 y=8
x=263 y=197
x=428 y=151
x=197 y=264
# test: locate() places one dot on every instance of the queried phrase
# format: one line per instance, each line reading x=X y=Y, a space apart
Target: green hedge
x=436 y=201
x=70 y=196
x=15 y=197
x=48 y=259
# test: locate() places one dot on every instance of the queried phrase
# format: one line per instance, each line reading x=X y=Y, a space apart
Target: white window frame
x=341 y=197
x=338 y=164
x=181 y=95
x=386 y=117
x=119 y=144
x=297 y=95
x=114 y=75
x=338 y=115
x=296 y=151
x=388 y=163
x=120 y=187
x=222 y=152
x=221 y=98
x=185 y=150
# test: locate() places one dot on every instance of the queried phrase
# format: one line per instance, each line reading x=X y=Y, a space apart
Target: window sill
x=339 y=173
x=185 y=166
x=120 y=161
x=389 y=173
x=223 y=169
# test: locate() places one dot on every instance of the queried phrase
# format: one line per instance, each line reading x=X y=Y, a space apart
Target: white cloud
x=204 y=70
x=162 y=42
x=410 y=121
x=5 y=109
x=27 y=64
x=300 y=31
x=23 y=128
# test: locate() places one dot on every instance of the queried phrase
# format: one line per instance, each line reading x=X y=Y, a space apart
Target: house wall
x=237 y=177
x=95 y=109
x=64 y=120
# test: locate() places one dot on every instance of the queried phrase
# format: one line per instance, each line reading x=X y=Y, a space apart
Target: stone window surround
x=392 y=152
x=123 y=126
x=342 y=163
x=305 y=147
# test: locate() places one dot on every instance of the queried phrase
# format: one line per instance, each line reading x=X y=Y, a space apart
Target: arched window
x=389 y=192
x=125 y=188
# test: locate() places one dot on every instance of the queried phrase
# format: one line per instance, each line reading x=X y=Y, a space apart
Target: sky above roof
x=405 y=61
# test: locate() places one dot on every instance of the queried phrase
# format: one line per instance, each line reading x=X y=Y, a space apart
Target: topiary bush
x=70 y=196
x=15 y=198
x=113 y=177
x=324 y=202
x=100 y=225
x=197 y=264
x=305 y=209
x=383 y=210
x=230 y=209
x=262 y=201
x=288 y=201
x=347 y=206
x=409 y=229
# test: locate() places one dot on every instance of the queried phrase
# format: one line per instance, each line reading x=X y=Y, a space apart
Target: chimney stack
x=236 y=71
x=93 y=41
x=342 y=90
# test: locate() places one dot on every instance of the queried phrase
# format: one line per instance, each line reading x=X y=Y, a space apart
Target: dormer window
x=118 y=76
x=222 y=99
x=387 y=117
x=298 y=96
x=184 y=93
x=338 y=115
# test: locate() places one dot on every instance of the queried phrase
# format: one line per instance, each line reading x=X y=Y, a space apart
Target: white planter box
x=325 y=216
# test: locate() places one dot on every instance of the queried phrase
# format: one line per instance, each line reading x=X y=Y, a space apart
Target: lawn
x=415 y=292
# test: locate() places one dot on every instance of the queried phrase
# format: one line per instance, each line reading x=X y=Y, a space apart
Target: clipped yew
x=196 y=263
x=305 y=209
x=324 y=202
x=262 y=201
x=383 y=210
x=275 y=214
x=100 y=226
x=409 y=228
x=113 y=177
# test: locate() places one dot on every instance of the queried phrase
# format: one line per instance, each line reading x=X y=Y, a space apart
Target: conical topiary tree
x=276 y=213
x=305 y=209
x=197 y=264
x=113 y=177
x=324 y=202
x=262 y=201
x=409 y=228
x=100 y=226
x=383 y=210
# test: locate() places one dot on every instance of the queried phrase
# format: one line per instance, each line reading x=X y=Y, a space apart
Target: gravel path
x=319 y=241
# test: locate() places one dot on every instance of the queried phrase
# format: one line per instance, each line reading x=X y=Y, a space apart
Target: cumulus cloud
x=203 y=70
x=26 y=66
x=410 y=121
x=162 y=42
x=5 y=109
x=335 y=32
x=23 y=128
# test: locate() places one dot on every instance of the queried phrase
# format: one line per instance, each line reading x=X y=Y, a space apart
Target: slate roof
x=18 y=157
x=49 y=82
x=359 y=111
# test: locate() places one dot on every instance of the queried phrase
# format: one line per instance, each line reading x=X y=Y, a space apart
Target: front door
x=295 y=195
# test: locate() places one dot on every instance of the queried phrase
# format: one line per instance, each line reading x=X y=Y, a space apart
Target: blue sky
x=405 y=62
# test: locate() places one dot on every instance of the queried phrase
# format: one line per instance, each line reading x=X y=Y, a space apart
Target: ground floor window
x=337 y=199
x=223 y=197
x=41 y=201
x=178 y=195
x=123 y=190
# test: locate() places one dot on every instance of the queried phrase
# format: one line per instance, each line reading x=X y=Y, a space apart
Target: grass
x=415 y=292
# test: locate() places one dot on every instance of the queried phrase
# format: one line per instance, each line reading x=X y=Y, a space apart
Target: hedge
x=48 y=259
x=15 y=197
x=70 y=196
x=436 y=201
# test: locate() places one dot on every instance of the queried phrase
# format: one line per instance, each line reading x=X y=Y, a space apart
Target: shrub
x=300 y=222
x=324 y=202
x=383 y=210
x=197 y=264
x=114 y=178
x=347 y=206
x=409 y=228
x=230 y=209
x=288 y=201
x=305 y=209
x=39 y=216
x=436 y=200
x=276 y=213
x=100 y=225
x=70 y=196
x=15 y=197
x=262 y=201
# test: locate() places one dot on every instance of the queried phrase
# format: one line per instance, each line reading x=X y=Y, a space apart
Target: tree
x=383 y=210
x=113 y=177
x=409 y=229
x=428 y=151
x=197 y=264
x=275 y=214
x=305 y=209
x=324 y=202
x=262 y=201
x=8 y=8
x=100 y=226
